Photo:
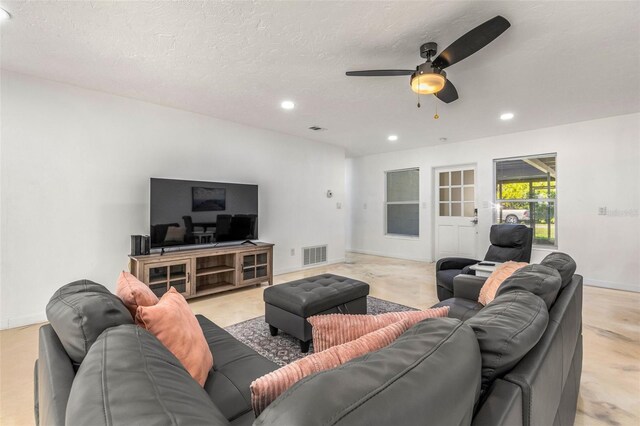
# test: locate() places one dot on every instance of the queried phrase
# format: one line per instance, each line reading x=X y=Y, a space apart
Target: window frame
x=387 y=203
x=498 y=202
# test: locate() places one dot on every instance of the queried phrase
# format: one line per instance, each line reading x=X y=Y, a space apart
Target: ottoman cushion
x=309 y=296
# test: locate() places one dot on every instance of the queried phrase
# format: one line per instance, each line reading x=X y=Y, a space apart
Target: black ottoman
x=288 y=305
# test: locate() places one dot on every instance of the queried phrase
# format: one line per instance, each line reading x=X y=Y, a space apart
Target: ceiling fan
x=430 y=77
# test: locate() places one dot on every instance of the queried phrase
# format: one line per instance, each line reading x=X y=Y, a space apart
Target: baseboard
x=23 y=320
x=375 y=253
x=301 y=268
x=612 y=285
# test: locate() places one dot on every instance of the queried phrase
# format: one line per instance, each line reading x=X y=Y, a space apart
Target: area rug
x=283 y=348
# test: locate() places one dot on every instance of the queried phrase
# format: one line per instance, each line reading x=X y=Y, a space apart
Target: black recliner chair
x=508 y=242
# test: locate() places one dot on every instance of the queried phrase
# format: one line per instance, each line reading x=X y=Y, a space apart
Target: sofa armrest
x=454 y=263
x=502 y=406
x=467 y=286
x=55 y=375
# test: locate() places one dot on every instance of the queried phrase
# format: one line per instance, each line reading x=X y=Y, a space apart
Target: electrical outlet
x=364 y=206
x=293 y=252
x=602 y=211
x=338 y=206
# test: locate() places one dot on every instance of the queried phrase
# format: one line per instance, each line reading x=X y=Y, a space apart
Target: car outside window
x=525 y=193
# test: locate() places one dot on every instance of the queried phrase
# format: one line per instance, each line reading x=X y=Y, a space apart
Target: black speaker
x=136 y=245
x=146 y=241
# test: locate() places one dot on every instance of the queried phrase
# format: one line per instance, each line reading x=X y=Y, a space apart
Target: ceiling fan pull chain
x=418 y=99
x=436 y=116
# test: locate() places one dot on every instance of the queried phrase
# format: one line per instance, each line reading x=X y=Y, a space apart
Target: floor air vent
x=314 y=255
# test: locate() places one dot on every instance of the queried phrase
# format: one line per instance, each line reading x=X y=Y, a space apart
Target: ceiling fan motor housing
x=428 y=50
x=428 y=68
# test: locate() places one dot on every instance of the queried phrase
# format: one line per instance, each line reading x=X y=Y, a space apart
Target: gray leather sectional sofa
x=516 y=361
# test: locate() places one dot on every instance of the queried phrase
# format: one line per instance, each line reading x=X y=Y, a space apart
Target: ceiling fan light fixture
x=428 y=80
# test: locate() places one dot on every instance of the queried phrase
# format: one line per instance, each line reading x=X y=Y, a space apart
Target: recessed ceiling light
x=4 y=15
x=392 y=138
x=287 y=105
x=506 y=116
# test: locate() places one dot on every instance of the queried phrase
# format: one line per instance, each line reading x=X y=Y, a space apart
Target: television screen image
x=191 y=213
x=207 y=199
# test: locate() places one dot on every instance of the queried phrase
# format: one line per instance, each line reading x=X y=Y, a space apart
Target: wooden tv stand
x=204 y=271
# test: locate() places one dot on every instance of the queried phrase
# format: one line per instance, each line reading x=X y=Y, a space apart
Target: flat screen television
x=194 y=213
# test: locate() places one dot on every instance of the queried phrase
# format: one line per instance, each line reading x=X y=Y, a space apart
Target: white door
x=455 y=215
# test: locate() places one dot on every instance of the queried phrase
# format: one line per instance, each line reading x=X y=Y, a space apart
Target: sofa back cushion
x=540 y=280
x=431 y=373
x=507 y=329
x=80 y=311
x=128 y=378
x=563 y=263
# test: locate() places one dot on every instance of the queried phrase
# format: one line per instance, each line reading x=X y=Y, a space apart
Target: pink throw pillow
x=501 y=273
x=267 y=388
x=173 y=323
x=336 y=329
x=134 y=293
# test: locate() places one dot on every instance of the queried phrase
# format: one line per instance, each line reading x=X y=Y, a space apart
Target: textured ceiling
x=559 y=62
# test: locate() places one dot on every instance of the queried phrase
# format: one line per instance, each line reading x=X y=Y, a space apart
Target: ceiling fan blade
x=448 y=93
x=379 y=73
x=471 y=42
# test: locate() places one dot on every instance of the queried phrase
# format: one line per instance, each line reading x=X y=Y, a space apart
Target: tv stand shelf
x=214 y=270
x=205 y=271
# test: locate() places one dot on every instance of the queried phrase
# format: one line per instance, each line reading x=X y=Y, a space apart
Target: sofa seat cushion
x=430 y=373
x=507 y=329
x=236 y=366
x=543 y=281
x=460 y=308
x=80 y=311
x=246 y=419
x=310 y=296
x=129 y=377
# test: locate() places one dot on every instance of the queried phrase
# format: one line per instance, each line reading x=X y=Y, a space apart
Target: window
x=456 y=193
x=526 y=194
x=402 y=204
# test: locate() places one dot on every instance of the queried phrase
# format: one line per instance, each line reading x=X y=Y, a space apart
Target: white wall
x=75 y=178
x=598 y=165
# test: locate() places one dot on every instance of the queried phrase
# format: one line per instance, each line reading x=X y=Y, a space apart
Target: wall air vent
x=314 y=255
x=317 y=129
